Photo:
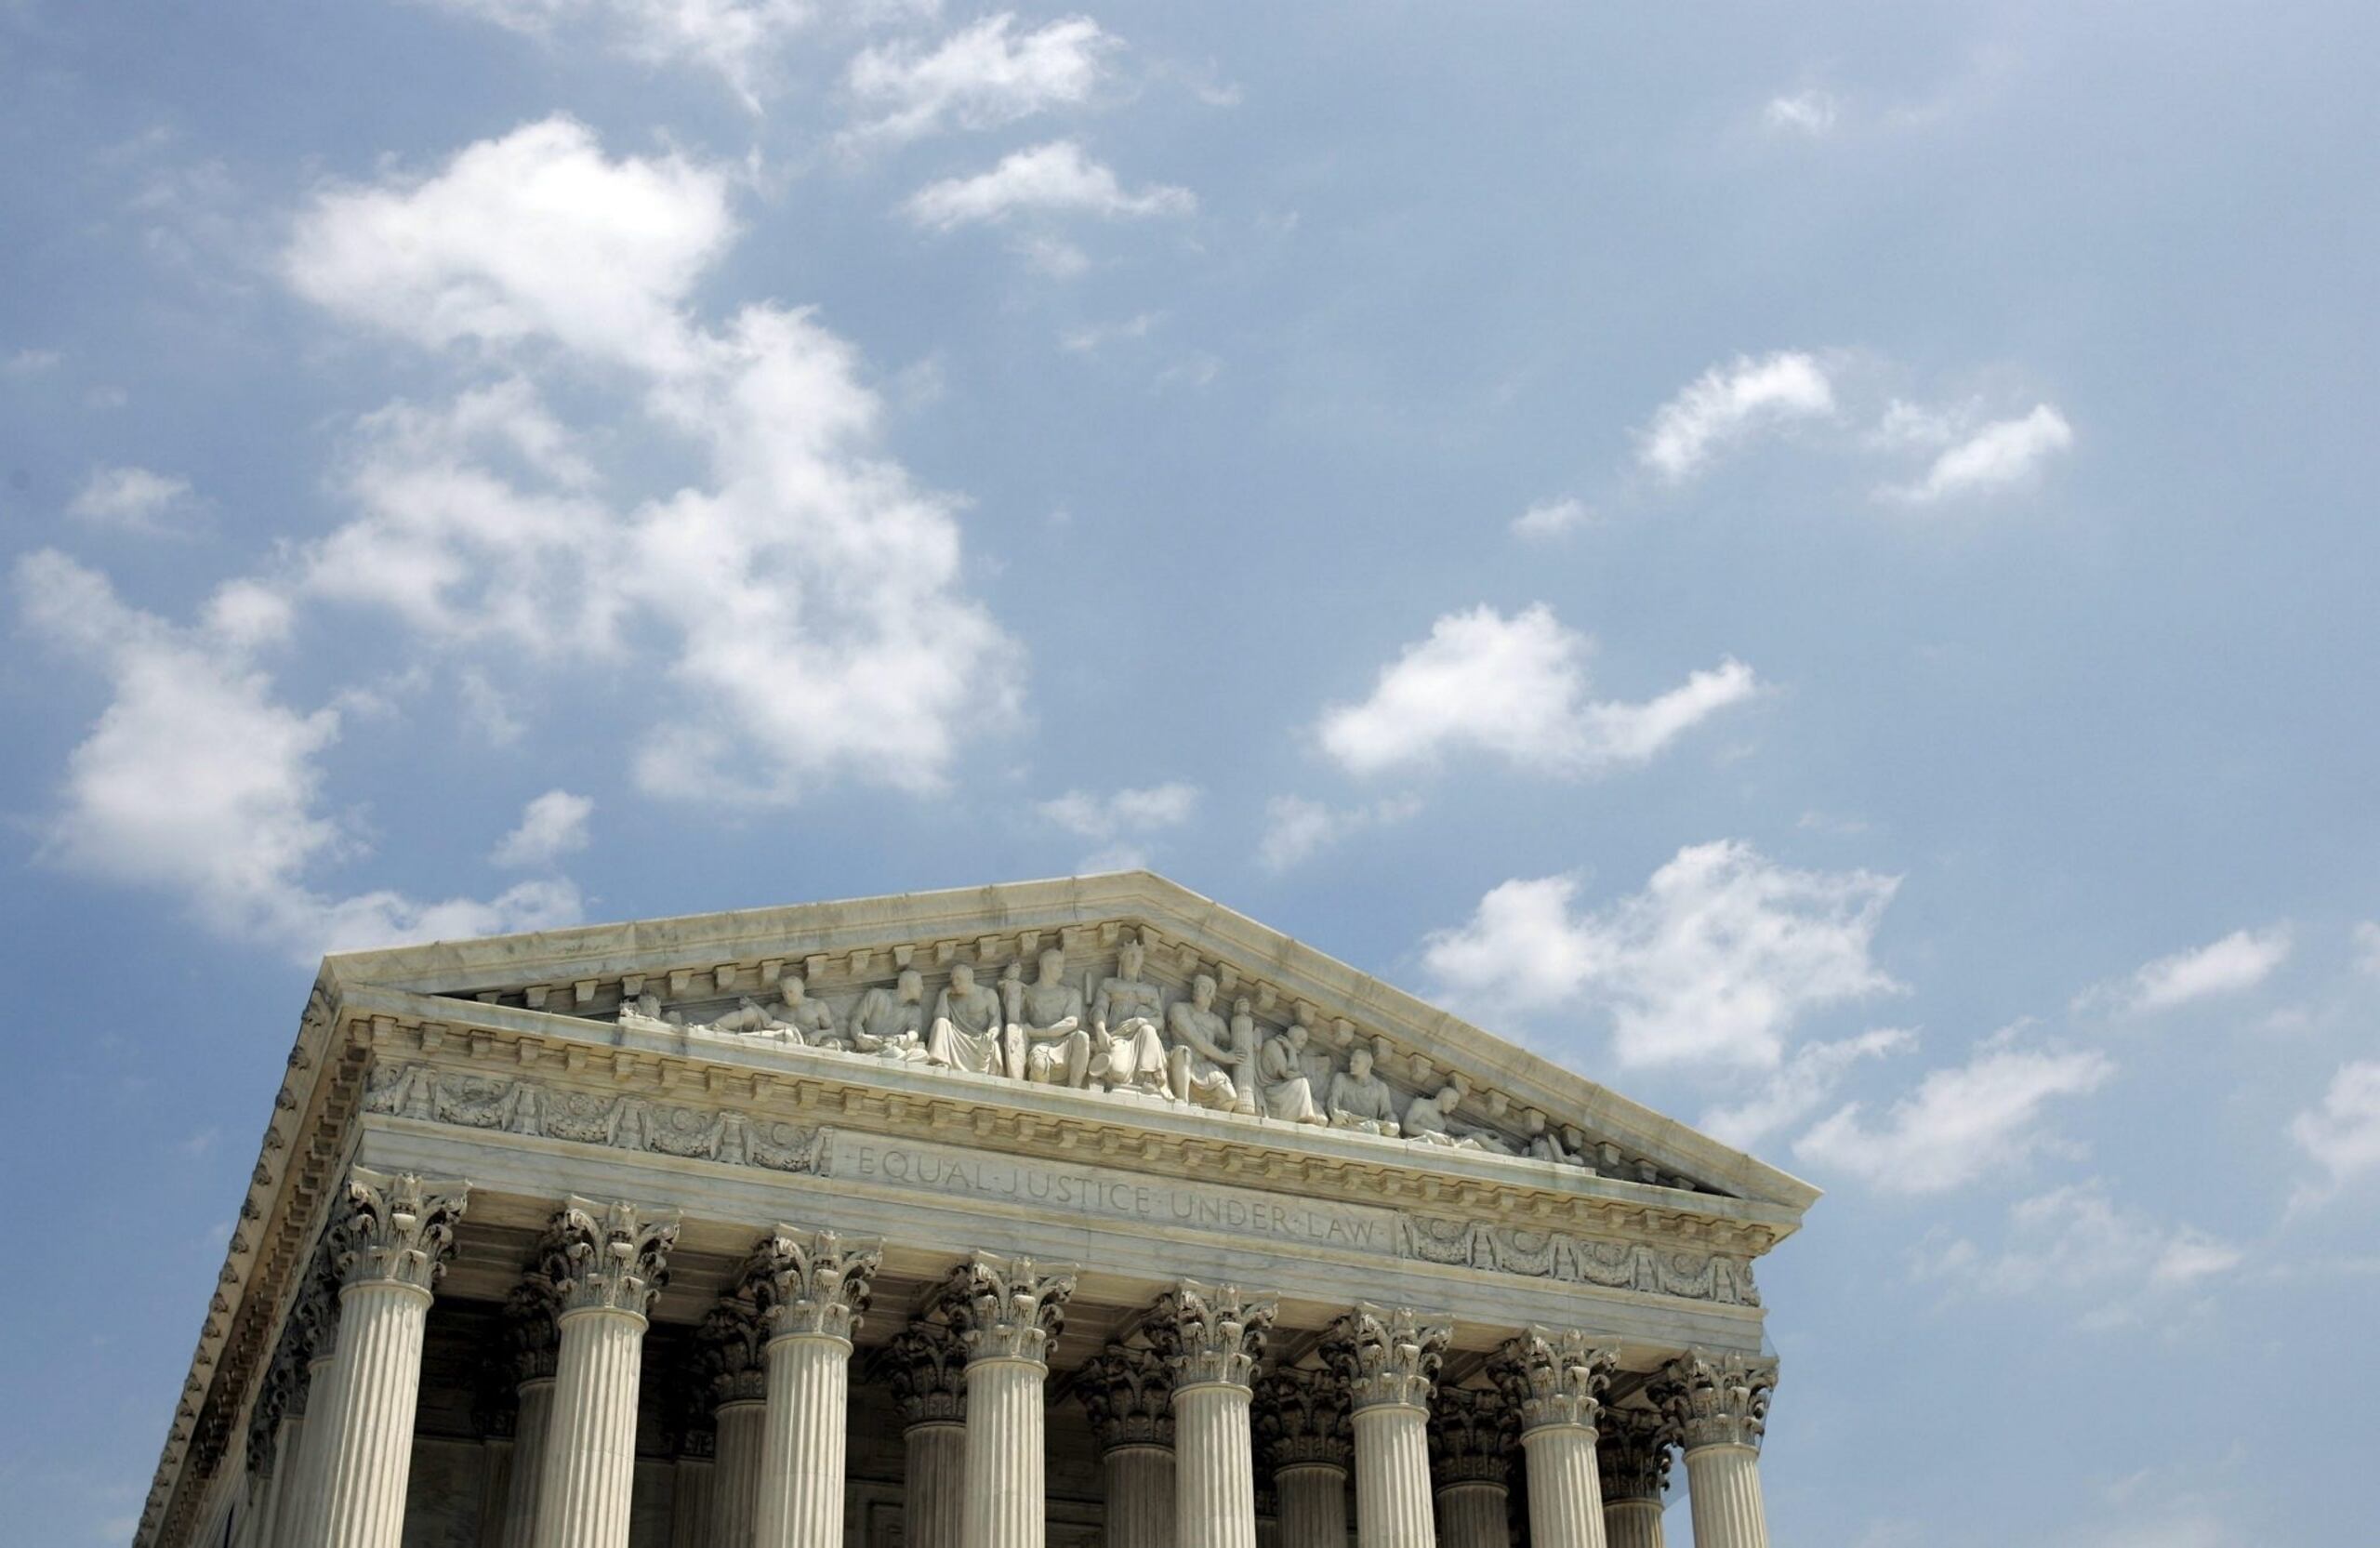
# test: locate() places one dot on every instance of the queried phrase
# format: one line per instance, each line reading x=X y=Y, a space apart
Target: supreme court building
x=1049 y=1213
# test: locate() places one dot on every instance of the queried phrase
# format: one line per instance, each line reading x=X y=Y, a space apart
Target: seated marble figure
x=1049 y=1035
x=890 y=1024
x=1208 y=1062
x=1360 y=1100
x=1127 y=1047
x=966 y=1030
x=795 y=1018
x=1284 y=1089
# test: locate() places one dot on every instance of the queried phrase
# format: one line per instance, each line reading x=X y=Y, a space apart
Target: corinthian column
x=927 y=1366
x=268 y=1429
x=530 y=1340
x=314 y=1329
x=394 y=1239
x=734 y=1363
x=1390 y=1359
x=1213 y=1337
x=1632 y=1457
x=607 y=1263
x=1554 y=1383
x=1301 y=1418
x=810 y=1289
x=1007 y=1310
x=1471 y=1466
x=1717 y=1405
x=1129 y=1394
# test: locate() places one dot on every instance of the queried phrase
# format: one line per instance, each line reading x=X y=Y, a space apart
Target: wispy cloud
x=1296 y=828
x=2236 y=963
x=979 y=77
x=1121 y=821
x=2076 y=1243
x=1054 y=178
x=1715 y=962
x=739 y=41
x=1812 y=112
x=1729 y=403
x=2001 y=453
x=134 y=499
x=552 y=825
x=2341 y=1133
x=1960 y=1123
x=1551 y=519
x=1516 y=688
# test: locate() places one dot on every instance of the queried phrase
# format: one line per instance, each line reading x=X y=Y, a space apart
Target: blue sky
x=1813 y=562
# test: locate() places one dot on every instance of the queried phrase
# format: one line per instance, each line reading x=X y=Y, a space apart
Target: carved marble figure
x=1128 y=1050
x=796 y=1017
x=1546 y=1145
x=966 y=1033
x=891 y=1022
x=645 y=1012
x=1207 y=1065
x=1281 y=1079
x=1360 y=1100
x=1048 y=1039
x=1426 y=1122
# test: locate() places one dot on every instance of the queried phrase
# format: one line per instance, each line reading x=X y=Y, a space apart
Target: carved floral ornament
x=1633 y=1455
x=1708 y=1399
x=1554 y=1377
x=1388 y=1356
x=926 y=1365
x=732 y=1344
x=1007 y=1308
x=811 y=1284
x=1470 y=1438
x=1301 y=1418
x=1129 y=1395
x=1212 y=1334
x=606 y=1257
x=396 y=1230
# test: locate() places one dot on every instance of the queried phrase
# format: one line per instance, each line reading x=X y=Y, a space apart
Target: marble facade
x=1074 y=1211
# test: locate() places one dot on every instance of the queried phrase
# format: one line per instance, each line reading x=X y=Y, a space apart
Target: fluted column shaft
x=735 y=1477
x=1632 y=1524
x=1393 y=1476
x=1214 y=1457
x=288 y=1492
x=934 y=1484
x=1565 y=1490
x=1722 y=1486
x=1004 y=1453
x=1474 y=1514
x=1313 y=1504
x=1140 y=1496
x=591 y=1440
x=689 y=1502
x=378 y=1381
x=308 y=1521
x=496 y=1486
x=274 y=1498
x=530 y=1428
x=804 y=1444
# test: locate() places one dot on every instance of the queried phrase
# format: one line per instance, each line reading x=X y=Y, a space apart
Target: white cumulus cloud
x=1551 y=518
x=1716 y=961
x=1517 y=688
x=979 y=77
x=2002 y=453
x=2236 y=963
x=1728 y=404
x=1054 y=179
x=134 y=499
x=552 y=825
x=2342 y=1134
x=1961 y=1123
x=805 y=595
x=1800 y=1086
x=198 y=781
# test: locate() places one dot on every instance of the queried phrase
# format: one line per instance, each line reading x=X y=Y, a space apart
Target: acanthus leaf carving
x=1128 y=1393
x=1715 y=1399
x=1211 y=1333
x=1633 y=1454
x=1553 y=1377
x=607 y=1257
x=1470 y=1438
x=813 y=1283
x=397 y=1229
x=1301 y=1418
x=926 y=1365
x=1389 y=1356
x=1008 y=1308
x=731 y=1345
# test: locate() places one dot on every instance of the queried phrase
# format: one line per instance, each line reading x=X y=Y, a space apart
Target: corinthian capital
x=607 y=1257
x=1633 y=1454
x=530 y=1338
x=811 y=1284
x=729 y=1351
x=1715 y=1399
x=1129 y=1394
x=313 y=1321
x=1302 y=1417
x=927 y=1366
x=1008 y=1308
x=397 y=1230
x=1389 y=1356
x=1553 y=1378
x=1212 y=1334
x=1470 y=1438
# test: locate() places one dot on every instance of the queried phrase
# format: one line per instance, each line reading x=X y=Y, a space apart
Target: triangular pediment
x=681 y=977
